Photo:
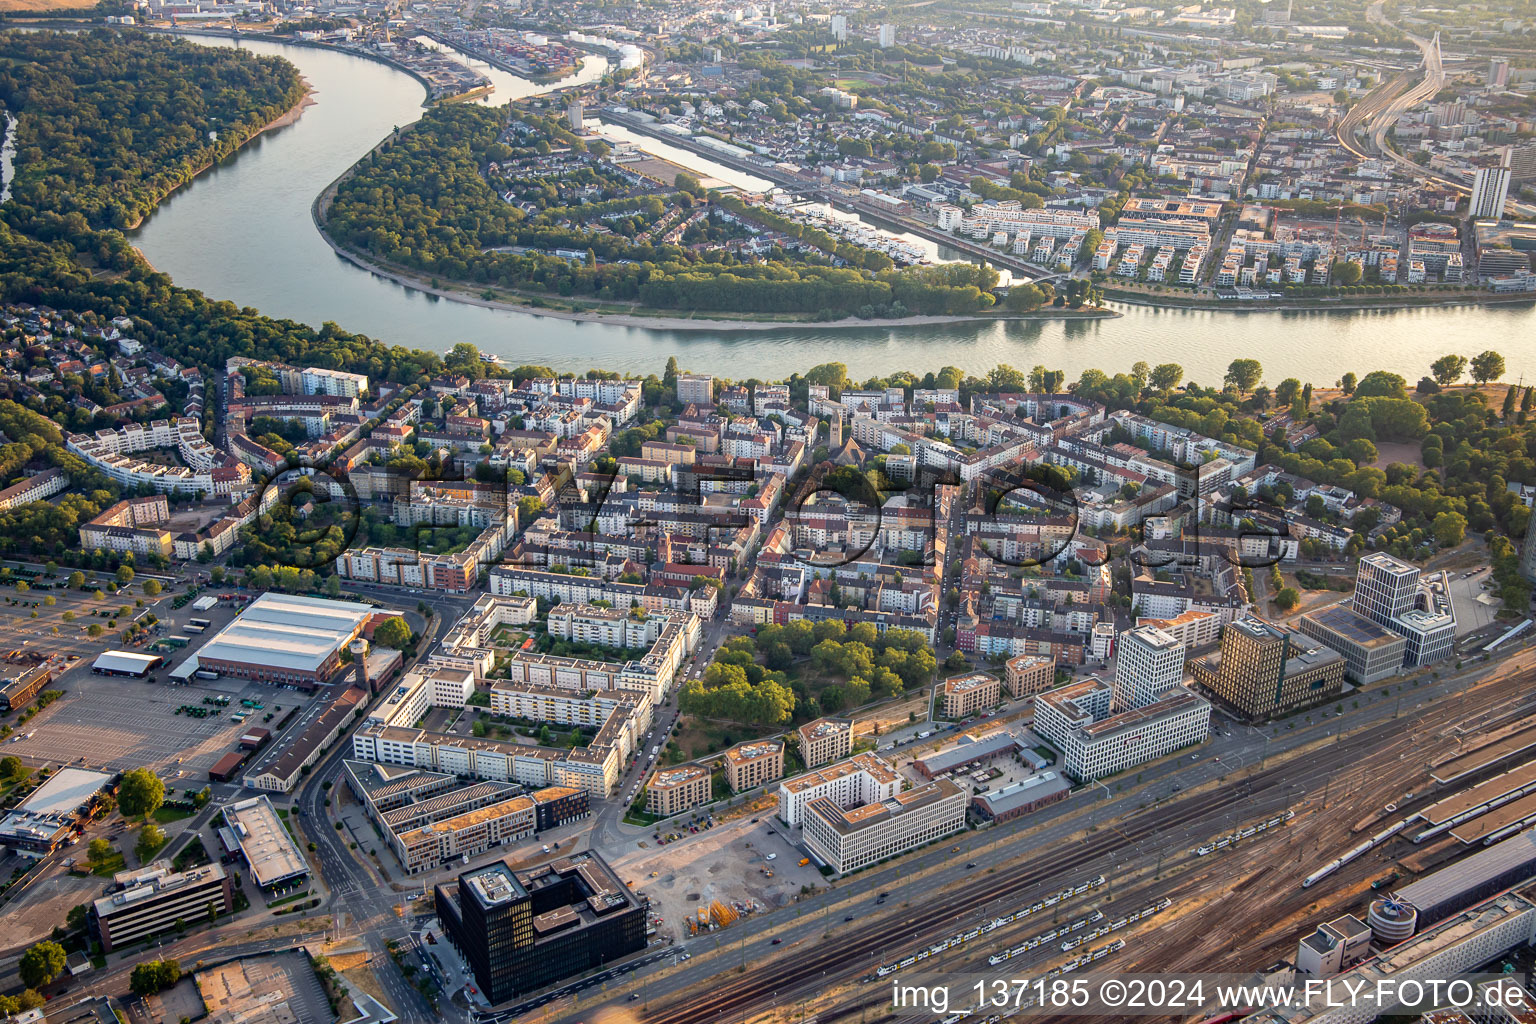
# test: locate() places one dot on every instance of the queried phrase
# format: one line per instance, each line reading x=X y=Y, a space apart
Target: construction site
x=1295 y=852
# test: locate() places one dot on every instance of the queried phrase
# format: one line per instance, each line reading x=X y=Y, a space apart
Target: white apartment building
x=862 y=779
x=338 y=383
x=1094 y=743
x=849 y=839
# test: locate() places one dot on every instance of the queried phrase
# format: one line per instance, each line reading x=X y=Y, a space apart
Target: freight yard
x=1323 y=772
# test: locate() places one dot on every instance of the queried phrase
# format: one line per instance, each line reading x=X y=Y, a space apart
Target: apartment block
x=749 y=765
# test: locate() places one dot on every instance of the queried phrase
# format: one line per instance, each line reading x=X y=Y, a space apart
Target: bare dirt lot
x=717 y=864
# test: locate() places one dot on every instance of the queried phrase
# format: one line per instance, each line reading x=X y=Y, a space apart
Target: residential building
x=825 y=740
x=1490 y=190
x=695 y=389
x=675 y=790
x=1029 y=674
x=749 y=765
x=969 y=693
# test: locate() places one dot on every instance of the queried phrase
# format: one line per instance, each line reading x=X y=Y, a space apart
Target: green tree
x=1347 y=383
x=151 y=588
x=12 y=770
x=392 y=632
x=1487 y=366
x=1166 y=376
x=1287 y=599
x=1381 y=384
x=151 y=838
x=76 y=580
x=1347 y=273
x=154 y=976
x=140 y=794
x=1447 y=370
x=1450 y=529
x=98 y=852
x=1243 y=375
x=41 y=963
x=124 y=575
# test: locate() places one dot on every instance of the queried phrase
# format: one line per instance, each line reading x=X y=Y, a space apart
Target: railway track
x=734 y=999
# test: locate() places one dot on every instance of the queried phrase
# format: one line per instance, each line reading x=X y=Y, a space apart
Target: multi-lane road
x=1364 y=127
x=1167 y=809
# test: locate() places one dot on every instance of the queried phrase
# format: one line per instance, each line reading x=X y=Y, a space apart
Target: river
x=7 y=156
x=243 y=232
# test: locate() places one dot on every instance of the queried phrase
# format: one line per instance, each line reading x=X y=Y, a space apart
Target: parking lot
x=724 y=863
x=114 y=723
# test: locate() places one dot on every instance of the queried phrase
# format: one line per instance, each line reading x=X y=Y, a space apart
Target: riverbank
x=656 y=319
x=664 y=320
x=283 y=120
x=1343 y=304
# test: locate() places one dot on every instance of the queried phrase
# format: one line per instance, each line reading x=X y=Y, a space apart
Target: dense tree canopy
x=110 y=124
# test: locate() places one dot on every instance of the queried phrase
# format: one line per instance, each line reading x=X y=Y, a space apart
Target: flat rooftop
x=1174 y=703
x=1486 y=824
x=65 y=792
x=1492 y=789
x=264 y=840
x=1513 y=743
x=824 y=727
x=1467 y=874
x=284 y=631
x=471 y=818
x=1451 y=932
x=1025 y=791
x=277 y=988
x=670 y=778
x=156 y=881
x=752 y=751
x=858 y=763
x=1353 y=626
x=855 y=819
x=966 y=683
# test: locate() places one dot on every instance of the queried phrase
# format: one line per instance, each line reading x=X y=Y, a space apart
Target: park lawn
x=111 y=866
x=699 y=737
x=166 y=815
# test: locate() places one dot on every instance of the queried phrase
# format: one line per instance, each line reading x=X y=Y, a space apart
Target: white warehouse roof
x=126 y=661
x=285 y=631
x=65 y=791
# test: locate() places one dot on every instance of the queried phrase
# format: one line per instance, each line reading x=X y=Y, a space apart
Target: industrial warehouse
x=285 y=639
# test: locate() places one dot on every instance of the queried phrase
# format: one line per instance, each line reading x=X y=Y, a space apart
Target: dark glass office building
x=520 y=931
